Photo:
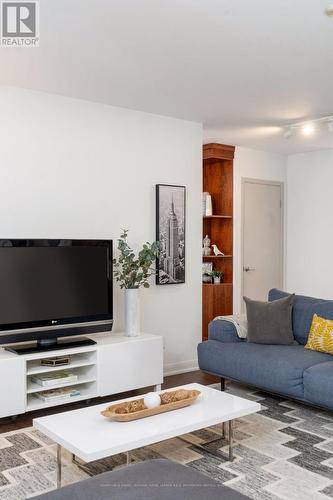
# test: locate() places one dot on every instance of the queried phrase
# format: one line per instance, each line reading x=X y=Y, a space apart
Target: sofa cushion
x=318 y=383
x=303 y=311
x=270 y=322
x=277 y=368
x=150 y=480
x=321 y=335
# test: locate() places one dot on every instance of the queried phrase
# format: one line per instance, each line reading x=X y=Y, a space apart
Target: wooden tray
x=111 y=412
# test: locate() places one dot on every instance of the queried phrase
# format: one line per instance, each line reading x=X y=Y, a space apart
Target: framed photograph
x=170 y=232
x=207 y=267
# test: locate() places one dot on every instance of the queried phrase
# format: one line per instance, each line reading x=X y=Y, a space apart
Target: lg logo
x=54 y=321
x=19 y=24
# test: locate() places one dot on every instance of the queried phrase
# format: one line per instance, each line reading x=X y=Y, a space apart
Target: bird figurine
x=216 y=250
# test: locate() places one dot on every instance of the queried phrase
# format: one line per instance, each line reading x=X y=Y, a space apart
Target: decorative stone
x=152 y=400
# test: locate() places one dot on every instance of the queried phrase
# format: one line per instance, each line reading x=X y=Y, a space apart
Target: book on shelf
x=49 y=379
x=57 y=394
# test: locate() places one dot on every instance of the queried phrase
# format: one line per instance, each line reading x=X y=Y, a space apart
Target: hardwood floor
x=25 y=420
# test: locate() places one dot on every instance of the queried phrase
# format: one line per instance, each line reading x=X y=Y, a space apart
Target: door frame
x=247 y=180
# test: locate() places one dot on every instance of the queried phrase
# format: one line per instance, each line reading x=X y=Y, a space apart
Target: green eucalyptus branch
x=133 y=271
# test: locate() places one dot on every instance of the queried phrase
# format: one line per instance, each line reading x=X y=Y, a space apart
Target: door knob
x=247 y=269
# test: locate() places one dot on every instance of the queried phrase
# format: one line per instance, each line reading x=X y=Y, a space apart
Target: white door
x=262 y=237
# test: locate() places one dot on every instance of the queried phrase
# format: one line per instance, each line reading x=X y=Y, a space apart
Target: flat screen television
x=54 y=288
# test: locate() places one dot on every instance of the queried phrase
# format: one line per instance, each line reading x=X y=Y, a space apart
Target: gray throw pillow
x=270 y=322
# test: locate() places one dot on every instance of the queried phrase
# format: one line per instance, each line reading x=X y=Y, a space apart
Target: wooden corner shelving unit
x=218 y=181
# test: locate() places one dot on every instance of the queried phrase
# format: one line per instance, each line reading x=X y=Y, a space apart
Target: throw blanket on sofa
x=239 y=321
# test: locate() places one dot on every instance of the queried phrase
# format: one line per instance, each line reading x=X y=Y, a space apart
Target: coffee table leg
x=223 y=430
x=58 y=466
x=128 y=458
x=157 y=387
x=231 y=455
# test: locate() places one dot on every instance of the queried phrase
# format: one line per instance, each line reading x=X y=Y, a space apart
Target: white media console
x=113 y=365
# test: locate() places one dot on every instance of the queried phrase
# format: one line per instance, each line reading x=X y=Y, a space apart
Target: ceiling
x=242 y=67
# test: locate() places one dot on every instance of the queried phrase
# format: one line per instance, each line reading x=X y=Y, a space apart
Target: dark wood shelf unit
x=218 y=181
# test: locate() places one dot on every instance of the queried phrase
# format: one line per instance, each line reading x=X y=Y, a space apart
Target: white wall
x=253 y=164
x=76 y=169
x=310 y=233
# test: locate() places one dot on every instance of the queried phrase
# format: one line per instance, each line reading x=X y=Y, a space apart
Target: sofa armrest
x=223 y=331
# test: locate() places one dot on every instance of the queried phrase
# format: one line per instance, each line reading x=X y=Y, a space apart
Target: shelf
x=217 y=284
x=80 y=361
x=217 y=216
x=35 y=404
x=217 y=257
x=33 y=387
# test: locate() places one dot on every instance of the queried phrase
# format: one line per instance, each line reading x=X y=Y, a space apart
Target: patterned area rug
x=285 y=451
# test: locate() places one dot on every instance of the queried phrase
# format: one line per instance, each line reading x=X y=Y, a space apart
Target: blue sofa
x=288 y=370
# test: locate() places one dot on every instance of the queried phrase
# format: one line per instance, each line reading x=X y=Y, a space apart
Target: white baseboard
x=181 y=367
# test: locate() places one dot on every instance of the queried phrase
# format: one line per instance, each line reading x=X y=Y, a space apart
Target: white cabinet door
x=12 y=386
x=129 y=365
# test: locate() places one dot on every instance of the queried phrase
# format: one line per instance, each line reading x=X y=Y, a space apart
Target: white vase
x=209 y=206
x=204 y=196
x=132 y=312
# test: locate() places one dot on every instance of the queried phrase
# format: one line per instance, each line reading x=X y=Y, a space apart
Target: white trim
x=181 y=367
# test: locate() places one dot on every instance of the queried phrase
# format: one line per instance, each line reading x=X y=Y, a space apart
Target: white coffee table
x=90 y=436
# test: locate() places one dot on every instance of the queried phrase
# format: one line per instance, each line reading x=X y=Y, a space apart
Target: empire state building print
x=170 y=232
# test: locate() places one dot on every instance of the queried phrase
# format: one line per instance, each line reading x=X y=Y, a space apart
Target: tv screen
x=54 y=282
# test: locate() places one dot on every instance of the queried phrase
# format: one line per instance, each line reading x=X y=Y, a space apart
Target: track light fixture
x=309 y=127
x=289 y=132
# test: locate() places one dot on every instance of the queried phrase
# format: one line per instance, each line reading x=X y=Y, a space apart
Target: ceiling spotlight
x=289 y=132
x=308 y=129
x=329 y=11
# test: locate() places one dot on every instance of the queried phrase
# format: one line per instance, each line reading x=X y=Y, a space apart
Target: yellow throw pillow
x=321 y=335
